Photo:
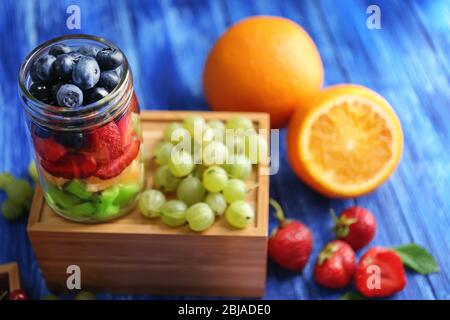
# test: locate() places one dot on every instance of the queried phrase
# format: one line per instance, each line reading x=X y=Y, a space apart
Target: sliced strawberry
x=105 y=143
x=48 y=149
x=71 y=166
x=380 y=273
x=115 y=167
x=125 y=129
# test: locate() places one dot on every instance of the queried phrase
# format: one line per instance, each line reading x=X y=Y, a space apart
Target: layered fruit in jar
x=83 y=120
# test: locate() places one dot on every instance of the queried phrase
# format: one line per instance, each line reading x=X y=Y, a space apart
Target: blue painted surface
x=167 y=43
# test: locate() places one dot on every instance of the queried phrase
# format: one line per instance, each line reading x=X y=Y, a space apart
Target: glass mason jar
x=88 y=157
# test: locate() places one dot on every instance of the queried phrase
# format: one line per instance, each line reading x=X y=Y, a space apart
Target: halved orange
x=347 y=141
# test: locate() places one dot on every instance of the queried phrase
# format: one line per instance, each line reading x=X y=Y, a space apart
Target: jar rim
x=31 y=104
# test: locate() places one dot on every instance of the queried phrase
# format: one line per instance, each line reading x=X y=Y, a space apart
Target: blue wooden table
x=167 y=42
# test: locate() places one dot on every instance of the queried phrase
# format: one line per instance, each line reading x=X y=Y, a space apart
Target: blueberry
x=88 y=50
x=42 y=69
x=76 y=55
x=71 y=140
x=109 y=58
x=86 y=72
x=41 y=132
x=109 y=79
x=69 y=95
x=95 y=94
x=58 y=49
x=63 y=66
x=41 y=91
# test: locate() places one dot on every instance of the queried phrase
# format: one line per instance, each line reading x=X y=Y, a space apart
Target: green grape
x=238 y=167
x=239 y=123
x=235 y=190
x=32 y=171
x=199 y=170
x=216 y=202
x=163 y=152
x=194 y=123
x=5 y=179
x=256 y=148
x=217 y=126
x=214 y=153
x=215 y=179
x=235 y=143
x=191 y=190
x=196 y=151
x=181 y=163
x=11 y=210
x=169 y=135
x=200 y=217
x=20 y=192
x=84 y=295
x=150 y=203
x=211 y=134
x=239 y=214
x=164 y=179
x=173 y=213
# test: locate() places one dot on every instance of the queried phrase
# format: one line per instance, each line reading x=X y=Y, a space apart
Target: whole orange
x=263 y=64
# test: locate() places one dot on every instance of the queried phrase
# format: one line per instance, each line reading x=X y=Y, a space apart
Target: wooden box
x=9 y=277
x=143 y=256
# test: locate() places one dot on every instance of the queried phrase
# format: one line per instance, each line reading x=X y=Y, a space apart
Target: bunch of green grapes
x=19 y=194
x=203 y=169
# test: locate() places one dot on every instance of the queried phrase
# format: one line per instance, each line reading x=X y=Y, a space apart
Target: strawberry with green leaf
x=356 y=225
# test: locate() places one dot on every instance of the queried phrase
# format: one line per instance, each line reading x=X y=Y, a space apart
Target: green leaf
x=352 y=295
x=417 y=258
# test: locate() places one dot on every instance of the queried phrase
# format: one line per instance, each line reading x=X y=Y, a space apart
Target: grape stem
x=279 y=213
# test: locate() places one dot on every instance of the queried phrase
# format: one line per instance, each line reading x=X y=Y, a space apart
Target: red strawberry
x=125 y=129
x=48 y=149
x=380 y=273
x=18 y=294
x=290 y=244
x=115 y=167
x=105 y=143
x=71 y=166
x=335 y=265
x=356 y=226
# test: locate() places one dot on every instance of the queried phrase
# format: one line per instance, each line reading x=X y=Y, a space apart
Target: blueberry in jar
x=75 y=55
x=109 y=58
x=58 y=49
x=63 y=66
x=86 y=73
x=41 y=91
x=94 y=94
x=42 y=69
x=69 y=96
x=109 y=79
x=88 y=50
x=70 y=140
